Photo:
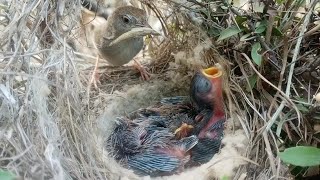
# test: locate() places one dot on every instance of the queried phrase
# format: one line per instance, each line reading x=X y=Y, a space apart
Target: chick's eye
x=125 y=19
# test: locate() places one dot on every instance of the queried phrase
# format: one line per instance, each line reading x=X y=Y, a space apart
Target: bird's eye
x=126 y=19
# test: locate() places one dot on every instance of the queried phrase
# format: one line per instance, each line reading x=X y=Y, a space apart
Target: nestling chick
x=206 y=95
x=149 y=149
x=196 y=122
x=202 y=114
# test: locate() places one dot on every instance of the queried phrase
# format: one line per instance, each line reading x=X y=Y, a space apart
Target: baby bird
x=120 y=39
x=206 y=96
x=195 y=123
x=149 y=149
x=201 y=114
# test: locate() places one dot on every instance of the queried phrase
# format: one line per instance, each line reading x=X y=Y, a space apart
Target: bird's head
x=206 y=94
x=206 y=88
x=125 y=18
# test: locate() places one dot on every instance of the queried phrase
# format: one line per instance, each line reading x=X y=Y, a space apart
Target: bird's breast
x=122 y=52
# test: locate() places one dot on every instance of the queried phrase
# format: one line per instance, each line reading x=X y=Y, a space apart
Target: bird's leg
x=143 y=72
x=95 y=76
x=202 y=114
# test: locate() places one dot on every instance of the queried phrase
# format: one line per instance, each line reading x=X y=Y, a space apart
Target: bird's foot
x=145 y=75
x=95 y=76
x=95 y=79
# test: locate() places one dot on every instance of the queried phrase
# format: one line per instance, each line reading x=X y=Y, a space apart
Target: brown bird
x=120 y=39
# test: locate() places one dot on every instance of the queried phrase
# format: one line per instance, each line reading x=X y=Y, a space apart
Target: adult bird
x=120 y=38
x=174 y=120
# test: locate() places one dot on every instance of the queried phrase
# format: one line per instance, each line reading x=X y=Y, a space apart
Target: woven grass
x=53 y=123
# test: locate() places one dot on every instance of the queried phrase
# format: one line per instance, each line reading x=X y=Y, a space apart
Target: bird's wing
x=218 y=126
x=103 y=36
x=160 y=159
x=152 y=163
x=205 y=150
x=187 y=143
x=177 y=100
x=143 y=113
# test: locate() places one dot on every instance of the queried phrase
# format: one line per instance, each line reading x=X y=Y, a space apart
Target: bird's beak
x=212 y=72
x=135 y=32
x=147 y=25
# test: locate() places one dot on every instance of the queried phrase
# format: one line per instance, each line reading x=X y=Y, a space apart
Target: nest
x=53 y=123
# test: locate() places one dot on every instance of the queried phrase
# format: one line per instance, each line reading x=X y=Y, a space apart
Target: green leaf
x=276 y=32
x=281 y=122
x=241 y=19
x=279 y=1
x=226 y=33
x=5 y=175
x=245 y=37
x=225 y=178
x=301 y=156
x=224 y=7
x=260 y=29
x=256 y=57
x=213 y=32
x=252 y=82
x=301 y=99
x=302 y=108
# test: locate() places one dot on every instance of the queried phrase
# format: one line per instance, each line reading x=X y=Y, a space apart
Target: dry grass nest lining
x=52 y=126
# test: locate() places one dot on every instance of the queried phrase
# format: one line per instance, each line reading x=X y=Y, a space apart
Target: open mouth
x=212 y=72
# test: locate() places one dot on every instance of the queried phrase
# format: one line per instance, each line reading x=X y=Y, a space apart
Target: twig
x=269 y=152
x=295 y=56
x=311 y=31
x=269 y=28
x=267 y=81
x=273 y=58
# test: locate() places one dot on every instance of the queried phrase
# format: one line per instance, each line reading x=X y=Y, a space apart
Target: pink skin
x=218 y=108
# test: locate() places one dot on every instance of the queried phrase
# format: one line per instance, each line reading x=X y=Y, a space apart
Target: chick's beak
x=212 y=72
x=183 y=131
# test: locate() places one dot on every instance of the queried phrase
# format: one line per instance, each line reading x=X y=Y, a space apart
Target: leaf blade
x=301 y=156
x=228 y=32
x=256 y=57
